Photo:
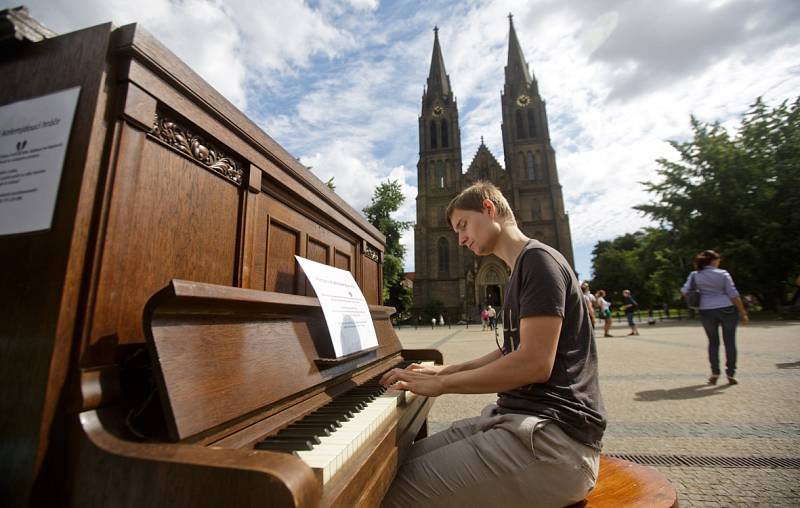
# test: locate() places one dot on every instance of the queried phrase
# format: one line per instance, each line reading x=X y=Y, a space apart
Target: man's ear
x=489 y=207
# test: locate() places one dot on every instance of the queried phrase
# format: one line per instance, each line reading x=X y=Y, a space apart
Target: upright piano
x=159 y=345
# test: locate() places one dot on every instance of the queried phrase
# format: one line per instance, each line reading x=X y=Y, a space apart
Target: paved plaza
x=658 y=404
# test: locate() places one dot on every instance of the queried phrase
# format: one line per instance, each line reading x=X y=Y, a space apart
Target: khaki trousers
x=495 y=460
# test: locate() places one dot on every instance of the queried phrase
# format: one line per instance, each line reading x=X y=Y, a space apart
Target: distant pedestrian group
x=488 y=318
x=597 y=303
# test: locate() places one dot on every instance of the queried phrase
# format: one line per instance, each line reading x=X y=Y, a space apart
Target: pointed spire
x=438 y=81
x=517 y=67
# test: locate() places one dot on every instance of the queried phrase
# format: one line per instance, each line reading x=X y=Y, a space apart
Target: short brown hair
x=472 y=197
x=705 y=258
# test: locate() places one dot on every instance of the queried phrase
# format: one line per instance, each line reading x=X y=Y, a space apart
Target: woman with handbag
x=720 y=305
x=605 y=311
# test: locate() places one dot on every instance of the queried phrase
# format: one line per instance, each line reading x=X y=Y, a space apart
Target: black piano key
x=351 y=399
x=283 y=446
x=348 y=404
x=300 y=443
x=309 y=434
x=275 y=447
x=355 y=395
x=344 y=412
x=323 y=419
x=321 y=429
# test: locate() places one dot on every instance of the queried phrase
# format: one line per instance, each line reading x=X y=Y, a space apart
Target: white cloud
x=202 y=33
x=283 y=36
x=339 y=83
x=235 y=45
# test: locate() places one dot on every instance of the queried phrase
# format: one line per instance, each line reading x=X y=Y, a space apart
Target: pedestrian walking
x=720 y=306
x=629 y=305
x=590 y=301
x=605 y=311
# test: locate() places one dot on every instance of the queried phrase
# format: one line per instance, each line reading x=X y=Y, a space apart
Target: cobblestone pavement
x=658 y=403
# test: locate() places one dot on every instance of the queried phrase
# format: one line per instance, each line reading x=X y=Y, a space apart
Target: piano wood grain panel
x=41 y=273
x=343 y=261
x=282 y=246
x=316 y=251
x=371 y=281
x=170 y=217
x=237 y=351
x=217 y=371
x=293 y=231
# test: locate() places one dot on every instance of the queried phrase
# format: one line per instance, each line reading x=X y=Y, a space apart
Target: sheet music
x=343 y=305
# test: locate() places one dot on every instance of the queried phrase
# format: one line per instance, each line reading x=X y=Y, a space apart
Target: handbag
x=693 y=296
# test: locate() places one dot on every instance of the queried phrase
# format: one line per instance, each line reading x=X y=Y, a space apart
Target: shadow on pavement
x=793 y=365
x=683 y=393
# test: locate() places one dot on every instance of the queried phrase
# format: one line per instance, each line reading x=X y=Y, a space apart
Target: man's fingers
x=386 y=380
x=393 y=376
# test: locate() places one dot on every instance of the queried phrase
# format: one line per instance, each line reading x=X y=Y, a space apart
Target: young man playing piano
x=539 y=445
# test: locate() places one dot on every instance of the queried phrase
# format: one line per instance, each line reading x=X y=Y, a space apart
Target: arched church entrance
x=492 y=296
x=490 y=284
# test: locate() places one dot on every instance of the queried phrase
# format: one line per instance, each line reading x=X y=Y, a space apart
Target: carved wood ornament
x=372 y=254
x=194 y=146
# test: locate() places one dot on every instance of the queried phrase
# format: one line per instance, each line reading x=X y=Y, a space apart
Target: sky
x=339 y=83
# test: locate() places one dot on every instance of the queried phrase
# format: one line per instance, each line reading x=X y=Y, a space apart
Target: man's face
x=476 y=231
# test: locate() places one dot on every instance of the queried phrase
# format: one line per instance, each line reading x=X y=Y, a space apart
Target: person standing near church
x=629 y=305
x=539 y=445
x=492 y=313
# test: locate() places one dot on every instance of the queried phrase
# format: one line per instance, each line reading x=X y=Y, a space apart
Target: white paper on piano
x=33 y=141
x=343 y=305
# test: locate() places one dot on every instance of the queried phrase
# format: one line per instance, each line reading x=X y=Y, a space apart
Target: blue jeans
x=728 y=317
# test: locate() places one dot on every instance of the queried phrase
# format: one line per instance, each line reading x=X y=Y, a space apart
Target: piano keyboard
x=326 y=438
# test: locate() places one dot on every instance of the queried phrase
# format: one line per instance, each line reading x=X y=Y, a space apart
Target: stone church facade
x=445 y=273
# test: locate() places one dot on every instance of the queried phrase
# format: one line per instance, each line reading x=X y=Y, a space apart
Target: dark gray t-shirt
x=543 y=284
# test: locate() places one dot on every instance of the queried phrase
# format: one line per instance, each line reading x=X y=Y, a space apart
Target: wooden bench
x=622 y=483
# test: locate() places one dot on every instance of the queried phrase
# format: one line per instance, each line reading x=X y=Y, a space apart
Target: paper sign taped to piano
x=343 y=305
x=33 y=142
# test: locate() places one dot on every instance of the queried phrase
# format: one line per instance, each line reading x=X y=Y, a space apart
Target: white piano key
x=343 y=443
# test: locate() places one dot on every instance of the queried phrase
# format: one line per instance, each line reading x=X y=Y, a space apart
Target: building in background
x=451 y=279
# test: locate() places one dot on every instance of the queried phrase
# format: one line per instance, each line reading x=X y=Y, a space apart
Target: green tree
x=616 y=268
x=386 y=200
x=739 y=195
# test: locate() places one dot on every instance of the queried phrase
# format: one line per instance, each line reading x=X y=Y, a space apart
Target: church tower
x=535 y=192
x=438 y=179
x=451 y=280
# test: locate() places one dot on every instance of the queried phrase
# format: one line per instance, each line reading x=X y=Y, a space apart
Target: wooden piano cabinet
x=41 y=273
x=131 y=474
x=232 y=366
x=163 y=179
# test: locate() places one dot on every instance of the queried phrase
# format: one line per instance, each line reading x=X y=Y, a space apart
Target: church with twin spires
x=451 y=277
